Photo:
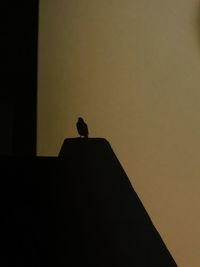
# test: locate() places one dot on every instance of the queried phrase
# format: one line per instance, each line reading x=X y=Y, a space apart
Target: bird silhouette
x=82 y=128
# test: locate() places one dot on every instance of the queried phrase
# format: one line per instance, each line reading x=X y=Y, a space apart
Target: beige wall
x=132 y=70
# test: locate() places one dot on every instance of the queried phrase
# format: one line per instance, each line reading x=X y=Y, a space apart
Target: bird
x=82 y=128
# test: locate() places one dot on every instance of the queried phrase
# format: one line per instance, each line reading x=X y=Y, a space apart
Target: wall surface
x=132 y=70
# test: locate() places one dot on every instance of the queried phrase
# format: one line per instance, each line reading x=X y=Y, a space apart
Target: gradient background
x=132 y=70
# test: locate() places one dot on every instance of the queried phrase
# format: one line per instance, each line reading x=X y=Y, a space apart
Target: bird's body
x=82 y=128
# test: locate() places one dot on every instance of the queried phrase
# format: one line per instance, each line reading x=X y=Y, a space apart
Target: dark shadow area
x=18 y=94
x=114 y=226
x=76 y=209
x=28 y=211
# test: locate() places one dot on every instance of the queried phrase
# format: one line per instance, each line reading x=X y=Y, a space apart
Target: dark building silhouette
x=75 y=209
x=72 y=210
x=114 y=226
x=18 y=94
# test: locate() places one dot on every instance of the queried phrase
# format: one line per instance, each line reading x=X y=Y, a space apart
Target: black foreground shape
x=75 y=209
x=114 y=227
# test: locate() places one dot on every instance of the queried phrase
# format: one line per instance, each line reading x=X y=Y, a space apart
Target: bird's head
x=80 y=119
